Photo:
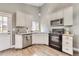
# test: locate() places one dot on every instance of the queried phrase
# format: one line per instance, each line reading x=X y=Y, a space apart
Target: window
x=3 y=24
x=35 y=26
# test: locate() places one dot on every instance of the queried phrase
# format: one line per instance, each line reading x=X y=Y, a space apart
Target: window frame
x=37 y=28
x=3 y=14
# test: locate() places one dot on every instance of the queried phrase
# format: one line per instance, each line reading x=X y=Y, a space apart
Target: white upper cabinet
x=59 y=14
x=28 y=21
x=53 y=17
x=23 y=19
x=68 y=16
x=20 y=19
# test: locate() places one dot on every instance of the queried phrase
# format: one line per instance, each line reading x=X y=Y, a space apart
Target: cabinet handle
x=30 y=37
x=26 y=38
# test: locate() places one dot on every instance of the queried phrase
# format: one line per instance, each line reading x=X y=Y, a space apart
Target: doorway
x=5 y=30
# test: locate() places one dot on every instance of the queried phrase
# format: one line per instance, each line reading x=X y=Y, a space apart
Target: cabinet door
x=45 y=39
x=20 y=19
x=53 y=16
x=36 y=39
x=68 y=50
x=28 y=21
x=40 y=39
x=59 y=14
x=4 y=42
x=68 y=16
x=18 y=41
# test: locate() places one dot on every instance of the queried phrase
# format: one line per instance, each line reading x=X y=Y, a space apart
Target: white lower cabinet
x=68 y=16
x=67 y=44
x=18 y=41
x=24 y=20
x=40 y=38
x=5 y=41
x=20 y=18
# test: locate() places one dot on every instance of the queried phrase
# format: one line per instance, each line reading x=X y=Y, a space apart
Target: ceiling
x=36 y=4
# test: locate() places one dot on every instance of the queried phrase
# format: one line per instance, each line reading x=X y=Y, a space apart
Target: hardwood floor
x=76 y=53
x=35 y=50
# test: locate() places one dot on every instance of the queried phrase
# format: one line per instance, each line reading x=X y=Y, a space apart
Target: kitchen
x=45 y=28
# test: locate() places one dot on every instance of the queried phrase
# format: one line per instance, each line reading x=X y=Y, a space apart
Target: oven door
x=55 y=38
x=55 y=41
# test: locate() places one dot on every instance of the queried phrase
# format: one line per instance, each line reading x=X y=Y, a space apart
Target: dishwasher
x=27 y=40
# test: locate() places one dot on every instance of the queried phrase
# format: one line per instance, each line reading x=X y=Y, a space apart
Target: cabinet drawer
x=67 y=38
x=67 y=43
x=67 y=46
x=68 y=16
x=68 y=50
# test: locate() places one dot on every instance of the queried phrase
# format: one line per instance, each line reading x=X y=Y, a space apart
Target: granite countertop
x=24 y=33
x=39 y=33
x=32 y=33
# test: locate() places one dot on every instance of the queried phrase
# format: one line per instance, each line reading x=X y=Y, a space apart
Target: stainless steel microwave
x=57 y=22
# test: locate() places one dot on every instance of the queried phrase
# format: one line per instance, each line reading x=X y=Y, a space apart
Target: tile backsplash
x=21 y=30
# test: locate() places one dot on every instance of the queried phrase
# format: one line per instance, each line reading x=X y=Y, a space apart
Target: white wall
x=75 y=28
x=13 y=7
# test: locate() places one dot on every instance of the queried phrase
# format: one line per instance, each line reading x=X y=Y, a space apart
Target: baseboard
x=76 y=49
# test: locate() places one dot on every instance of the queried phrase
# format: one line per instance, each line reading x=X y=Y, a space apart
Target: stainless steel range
x=55 y=38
